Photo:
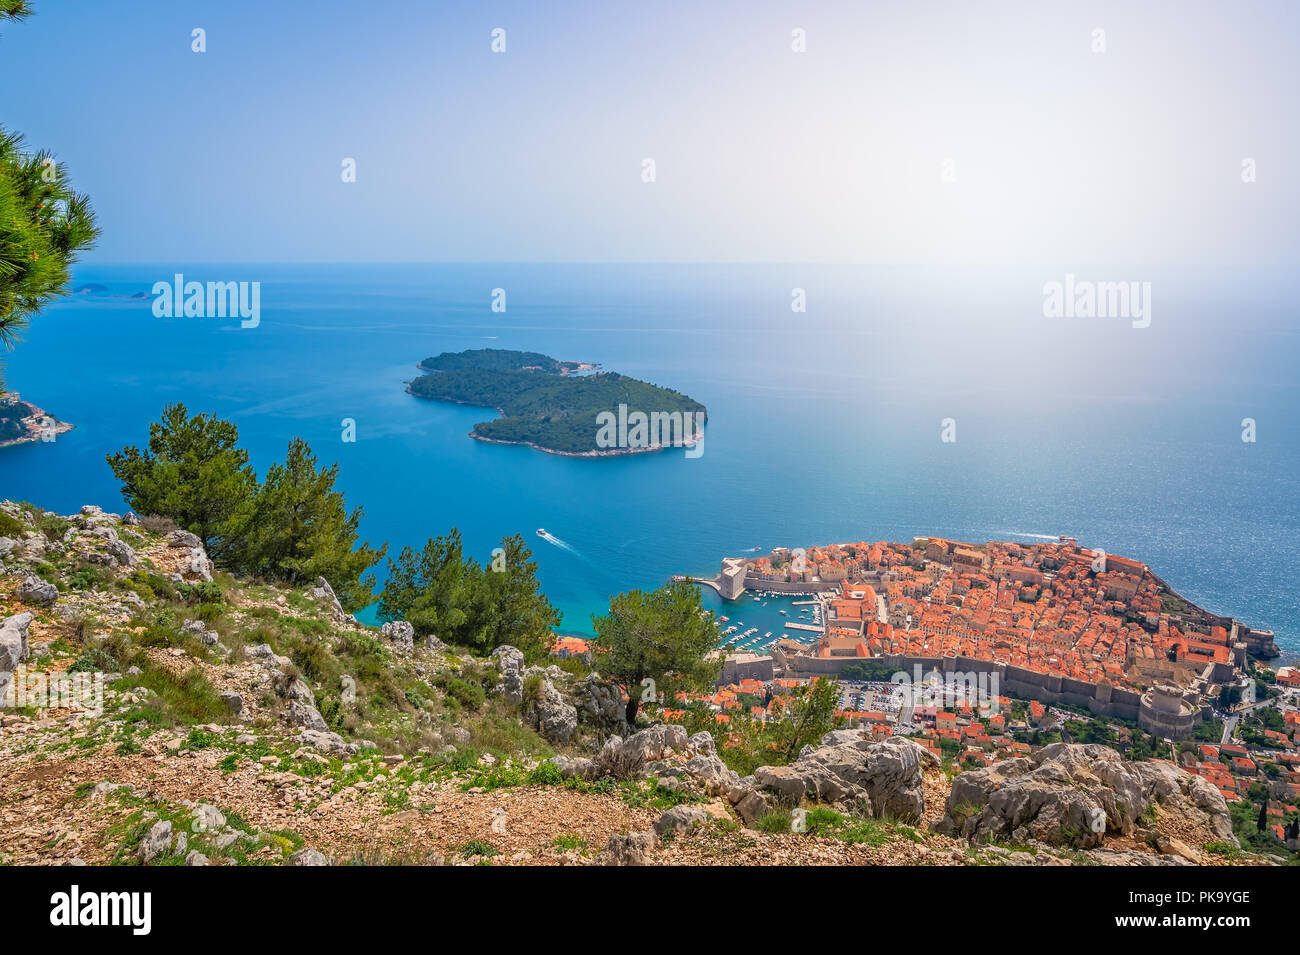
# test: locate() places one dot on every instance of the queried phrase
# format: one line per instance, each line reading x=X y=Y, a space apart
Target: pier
x=803 y=626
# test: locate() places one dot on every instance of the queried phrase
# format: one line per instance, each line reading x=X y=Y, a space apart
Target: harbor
x=755 y=621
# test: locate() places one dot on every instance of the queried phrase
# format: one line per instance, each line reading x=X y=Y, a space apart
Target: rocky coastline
x=22 y=422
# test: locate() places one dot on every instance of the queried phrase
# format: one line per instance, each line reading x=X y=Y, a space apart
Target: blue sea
x=824 y=425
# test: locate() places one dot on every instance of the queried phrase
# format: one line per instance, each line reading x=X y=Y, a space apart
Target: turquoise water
x=823 y=426
x=761 y=612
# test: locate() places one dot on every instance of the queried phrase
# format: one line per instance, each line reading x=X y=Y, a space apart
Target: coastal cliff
x=22 y=422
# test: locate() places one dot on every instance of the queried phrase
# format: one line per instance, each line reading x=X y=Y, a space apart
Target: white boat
x=541 y=532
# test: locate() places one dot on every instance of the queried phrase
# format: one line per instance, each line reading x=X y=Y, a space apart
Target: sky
x=935 y=133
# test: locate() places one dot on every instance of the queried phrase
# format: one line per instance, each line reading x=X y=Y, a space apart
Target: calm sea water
x=823 y=426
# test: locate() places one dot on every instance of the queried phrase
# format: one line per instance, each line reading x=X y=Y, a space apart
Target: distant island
x=22 y=422
x=561 y=407
x=101 y=291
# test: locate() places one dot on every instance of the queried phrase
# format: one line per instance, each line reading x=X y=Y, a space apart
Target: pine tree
x=299 y=529
x=520 y=613
x=439 y=592
x=663 y=636
x=44 y=223
x=808 y=716
x=193 y=472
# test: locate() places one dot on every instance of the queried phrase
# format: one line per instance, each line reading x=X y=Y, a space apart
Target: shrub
x=88 y=577
x=205 y=592
x=546 y=774
x=11 y=526
x=413 y=697
x=477 y=848
x=96 y=660
x=189 y=698
x=773 y=821
x=208 y=613
x=52 y=526
x=156 y=524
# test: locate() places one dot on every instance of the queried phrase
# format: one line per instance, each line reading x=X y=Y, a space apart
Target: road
x=1231 y=722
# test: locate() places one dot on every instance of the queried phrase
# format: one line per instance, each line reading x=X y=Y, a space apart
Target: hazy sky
x=1060 y=154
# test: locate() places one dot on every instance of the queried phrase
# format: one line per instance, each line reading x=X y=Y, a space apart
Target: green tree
x=520 y=613
x=808 y=717
x=193 y=472
x=44 y=223
x=438 y=591
x=662 y=635
x=299 y=529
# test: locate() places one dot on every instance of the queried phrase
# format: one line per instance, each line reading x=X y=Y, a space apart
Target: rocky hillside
x=245 y=724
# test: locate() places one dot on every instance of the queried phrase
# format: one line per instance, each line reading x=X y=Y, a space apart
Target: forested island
x=562 y=407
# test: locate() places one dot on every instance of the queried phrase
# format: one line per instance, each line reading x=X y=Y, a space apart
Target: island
x=22 y=422
x=561 y=407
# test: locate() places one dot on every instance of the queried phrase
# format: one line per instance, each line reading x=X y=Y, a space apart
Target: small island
x=561 y=407
x=22 y=422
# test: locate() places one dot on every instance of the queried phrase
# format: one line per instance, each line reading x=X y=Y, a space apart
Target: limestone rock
x=121 y=552
x=680 y=819
x=401 y=634
x=306 y=715
x=1073 y=794
x=751 y=806
x=579 y=767
x=1189 y=797
x=631 y=849
x=327 y=742
x=547 y=709
x=510 y=661
x=209 y=817
x=13 y=640
x=625 y=759
x=883 y=778
x=156 y=842
x=183 y=539
x=33 y=590
x=600 y=704
x=324 y=593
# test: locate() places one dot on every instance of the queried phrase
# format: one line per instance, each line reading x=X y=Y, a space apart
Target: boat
x=782 y=612
x=541 y=532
